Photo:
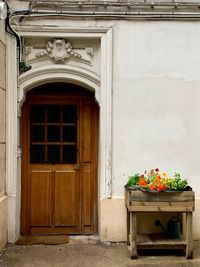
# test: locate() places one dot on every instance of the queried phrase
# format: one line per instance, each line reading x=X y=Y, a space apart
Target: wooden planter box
x=138 y=201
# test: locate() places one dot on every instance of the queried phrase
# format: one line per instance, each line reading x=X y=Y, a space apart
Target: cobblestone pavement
x=87 y=253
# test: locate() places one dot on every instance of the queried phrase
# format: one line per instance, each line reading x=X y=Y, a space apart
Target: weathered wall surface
x=156 y=100
x=3 y=198
x=155 y=105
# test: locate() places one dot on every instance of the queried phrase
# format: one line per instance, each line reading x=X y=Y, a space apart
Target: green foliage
x=178 y=184
x=133 y=180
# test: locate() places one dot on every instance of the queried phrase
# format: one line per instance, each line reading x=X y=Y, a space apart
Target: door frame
x=25 y=135
x=17 y=87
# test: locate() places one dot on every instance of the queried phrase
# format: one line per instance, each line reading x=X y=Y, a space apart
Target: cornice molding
x=60 y=32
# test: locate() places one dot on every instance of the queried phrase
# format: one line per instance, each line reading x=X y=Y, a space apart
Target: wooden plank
x=161 y=246
x=65 y=198
x=25 y=170
x=133 y=235
x=86 y=162
x=189 y=240
x=166 y=203
x=86 y=135
x=95 y=147
x=89 y=161
x=184 y=225
x=128 y=227
x=40 y=199
x=159 y=209
x=157 y=241
x=87 y=195
x=161 y=196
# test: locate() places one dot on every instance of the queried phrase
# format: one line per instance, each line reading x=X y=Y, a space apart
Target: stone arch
x=66 y=74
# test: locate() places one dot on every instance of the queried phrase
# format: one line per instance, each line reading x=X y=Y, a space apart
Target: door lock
x=77 y=167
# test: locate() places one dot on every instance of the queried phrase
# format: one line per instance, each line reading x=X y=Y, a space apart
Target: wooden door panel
x=87 y=195
x=65 y=198
x=86 y=133
x=40 y=198
x=87 y=174
x=59 y=197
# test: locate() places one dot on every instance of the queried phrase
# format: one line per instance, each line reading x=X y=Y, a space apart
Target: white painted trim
x=106 y=108
x=12 y=178
x=64 y=32
x=11 y=117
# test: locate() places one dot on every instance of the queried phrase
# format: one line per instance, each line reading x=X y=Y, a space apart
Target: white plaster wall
x=156 y=92
x=156 y=110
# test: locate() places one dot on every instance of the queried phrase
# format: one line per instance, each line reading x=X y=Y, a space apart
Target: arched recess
x=47 y=74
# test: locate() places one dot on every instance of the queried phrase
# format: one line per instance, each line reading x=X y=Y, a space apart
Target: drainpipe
x=111 y=15
x=129 y=4
x=21 y=66
x=10 y=30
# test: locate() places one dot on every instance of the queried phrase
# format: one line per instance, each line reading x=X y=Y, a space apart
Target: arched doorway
x=59 y=138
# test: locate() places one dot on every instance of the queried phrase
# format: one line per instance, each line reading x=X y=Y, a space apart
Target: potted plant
x=156 y=181
x=155 y=191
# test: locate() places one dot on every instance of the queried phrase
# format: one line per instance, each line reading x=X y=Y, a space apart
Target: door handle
x=77 y=167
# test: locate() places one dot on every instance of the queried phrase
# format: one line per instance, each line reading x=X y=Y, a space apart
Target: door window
x=53 y=137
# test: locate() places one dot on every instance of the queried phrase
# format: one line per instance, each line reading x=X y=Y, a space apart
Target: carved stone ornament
x=59 y=50
x=27 y=50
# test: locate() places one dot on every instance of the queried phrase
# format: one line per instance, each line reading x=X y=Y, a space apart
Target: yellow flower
x=164 y=174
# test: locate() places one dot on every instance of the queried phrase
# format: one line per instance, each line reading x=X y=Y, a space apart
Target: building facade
x=96 y=91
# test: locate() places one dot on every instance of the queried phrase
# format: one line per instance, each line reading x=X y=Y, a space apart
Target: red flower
x=157 y=170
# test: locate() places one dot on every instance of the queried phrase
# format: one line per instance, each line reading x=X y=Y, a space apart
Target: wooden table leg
x=189 y=238
x=128 y=227
x=133 y=235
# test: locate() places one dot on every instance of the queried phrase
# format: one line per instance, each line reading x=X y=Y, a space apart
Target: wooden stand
x=138 y=201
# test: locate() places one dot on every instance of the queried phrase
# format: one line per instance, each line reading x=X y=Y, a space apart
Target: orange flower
x=161 y=187
x=156 y=182
x=142 y=182
x=152 y=187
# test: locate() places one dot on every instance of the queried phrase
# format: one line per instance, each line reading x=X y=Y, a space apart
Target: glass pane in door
x=53 y=134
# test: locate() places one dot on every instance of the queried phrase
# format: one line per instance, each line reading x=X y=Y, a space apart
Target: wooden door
x=59 y=165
